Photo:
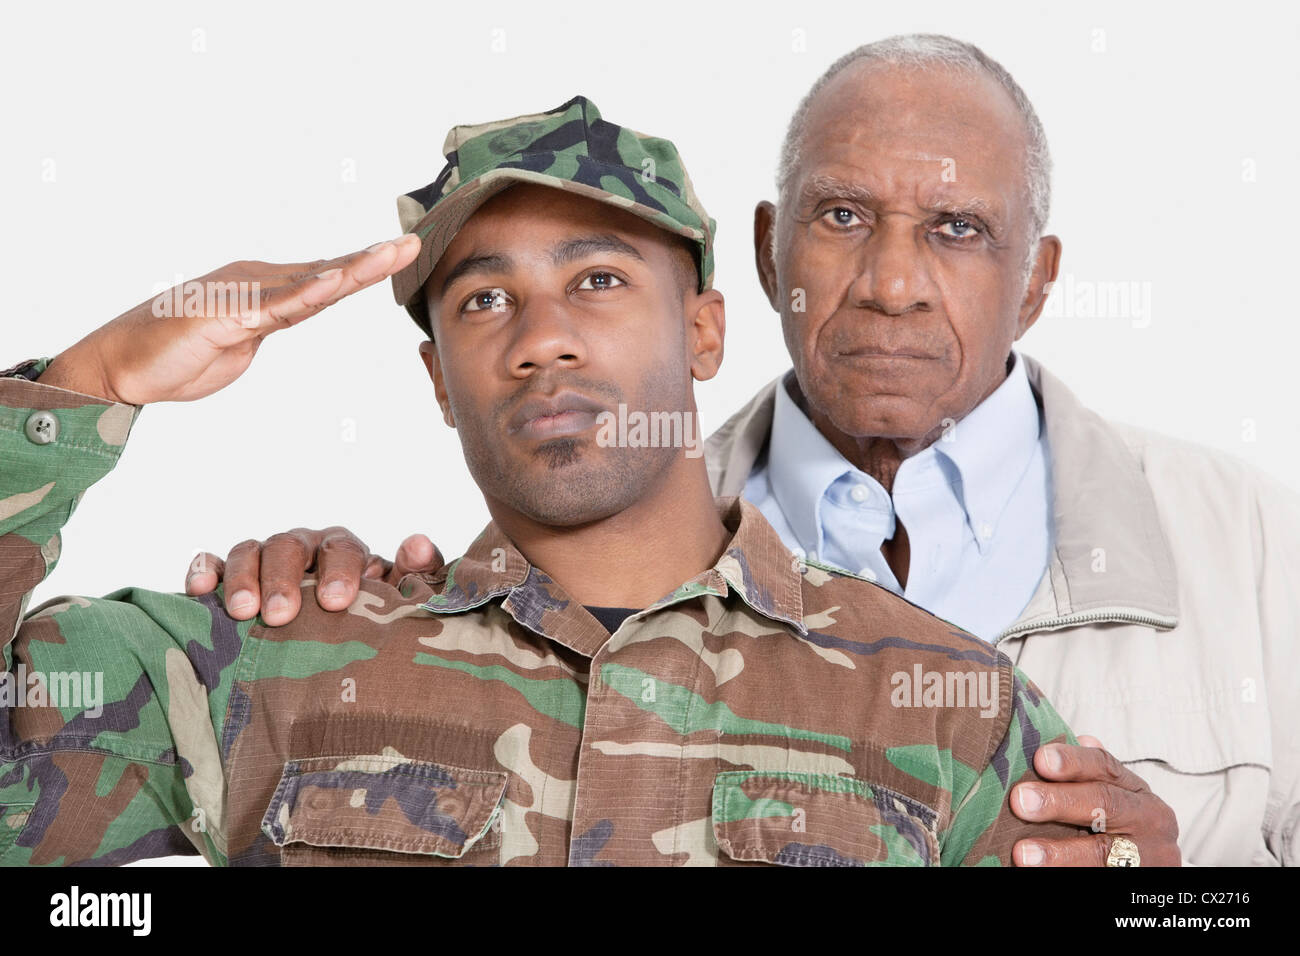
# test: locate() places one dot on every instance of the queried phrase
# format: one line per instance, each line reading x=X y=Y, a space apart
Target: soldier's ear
x=429 y=354
x=706 y=316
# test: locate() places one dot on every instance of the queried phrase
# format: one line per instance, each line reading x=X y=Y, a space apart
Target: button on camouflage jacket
x=767 y=711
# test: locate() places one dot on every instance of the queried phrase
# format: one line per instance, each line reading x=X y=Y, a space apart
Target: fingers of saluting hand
x=303 y=295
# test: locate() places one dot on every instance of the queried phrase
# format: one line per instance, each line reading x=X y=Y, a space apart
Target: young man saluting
x=620 y=670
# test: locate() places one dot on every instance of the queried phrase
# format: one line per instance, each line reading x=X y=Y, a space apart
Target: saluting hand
x=152 y=354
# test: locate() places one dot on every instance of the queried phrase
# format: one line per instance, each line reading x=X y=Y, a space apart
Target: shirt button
x=860 y=493
x=42 y=427
x=985 y=530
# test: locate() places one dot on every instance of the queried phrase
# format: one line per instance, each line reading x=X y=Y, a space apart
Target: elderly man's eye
x=959 y=228
x=842 y=216
x=597 y=281
x=494 y=300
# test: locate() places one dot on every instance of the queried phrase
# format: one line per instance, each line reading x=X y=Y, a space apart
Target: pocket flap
x=381 y=802
x=812 y=819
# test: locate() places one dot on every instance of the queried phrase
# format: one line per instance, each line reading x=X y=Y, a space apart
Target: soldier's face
x=550 y=309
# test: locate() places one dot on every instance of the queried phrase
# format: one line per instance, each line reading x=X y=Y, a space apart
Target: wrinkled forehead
x=906 y=122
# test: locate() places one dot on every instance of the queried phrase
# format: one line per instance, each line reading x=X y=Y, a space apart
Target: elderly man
x=1141 y=581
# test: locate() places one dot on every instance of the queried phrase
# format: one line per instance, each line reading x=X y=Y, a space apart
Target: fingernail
x=1031 y=799
x=328 y=273
x=332 y=591
x=275 y=604
x=380 y=245
x=1052 y=758
x=1033 y=855
x=241 y=601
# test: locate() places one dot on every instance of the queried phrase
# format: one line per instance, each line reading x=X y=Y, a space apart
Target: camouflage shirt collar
x=755 y=564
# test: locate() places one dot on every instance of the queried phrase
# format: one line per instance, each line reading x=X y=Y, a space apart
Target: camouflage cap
x=569 y=147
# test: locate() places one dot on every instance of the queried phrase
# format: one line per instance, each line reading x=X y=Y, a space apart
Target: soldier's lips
x=554 y=426
x=565 y=413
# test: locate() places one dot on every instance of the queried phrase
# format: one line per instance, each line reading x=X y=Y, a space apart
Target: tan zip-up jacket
x=1167 y=623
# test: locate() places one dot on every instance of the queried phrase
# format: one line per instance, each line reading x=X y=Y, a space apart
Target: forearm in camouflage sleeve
x=108 y=706
x=984 y=830
x=54 y=444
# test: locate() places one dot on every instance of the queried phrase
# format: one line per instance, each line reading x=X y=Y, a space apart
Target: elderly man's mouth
x=883 y=355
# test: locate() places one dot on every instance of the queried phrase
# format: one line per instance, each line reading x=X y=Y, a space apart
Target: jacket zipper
x=1091 y=617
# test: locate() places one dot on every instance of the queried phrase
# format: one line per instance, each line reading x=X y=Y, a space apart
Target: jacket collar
x=755 y=564
x=1110 y=559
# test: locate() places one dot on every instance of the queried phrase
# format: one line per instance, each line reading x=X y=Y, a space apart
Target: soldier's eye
x=597 y=281
x=494 y=300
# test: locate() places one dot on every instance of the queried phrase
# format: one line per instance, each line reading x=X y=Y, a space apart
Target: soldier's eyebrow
x=488 y=262
x=561 y=254
x=571 y=249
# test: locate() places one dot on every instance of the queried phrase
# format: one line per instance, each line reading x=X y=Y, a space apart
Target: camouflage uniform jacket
x=767 y=711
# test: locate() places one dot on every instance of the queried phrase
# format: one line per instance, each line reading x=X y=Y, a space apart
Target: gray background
x=147 y=143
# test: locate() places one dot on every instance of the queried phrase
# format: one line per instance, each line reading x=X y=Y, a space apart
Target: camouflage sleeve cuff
x=30 y=369
x=54 y=444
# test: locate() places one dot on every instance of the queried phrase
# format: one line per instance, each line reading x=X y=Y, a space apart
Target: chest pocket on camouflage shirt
x=372 y=809
x=812 y=819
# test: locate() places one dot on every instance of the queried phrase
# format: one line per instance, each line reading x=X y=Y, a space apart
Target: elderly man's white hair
x=927 y=50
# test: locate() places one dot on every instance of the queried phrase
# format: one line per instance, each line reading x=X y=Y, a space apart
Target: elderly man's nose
x=545 y=335
x=893 y=274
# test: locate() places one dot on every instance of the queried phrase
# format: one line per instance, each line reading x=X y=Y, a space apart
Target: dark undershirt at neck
x=610 y=617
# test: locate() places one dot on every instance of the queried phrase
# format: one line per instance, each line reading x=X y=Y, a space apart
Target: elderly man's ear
x=765 y=250
x=429 y=355
x=1046 y=264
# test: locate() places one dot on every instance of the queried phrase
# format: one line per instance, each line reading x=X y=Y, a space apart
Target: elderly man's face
x=900 y=250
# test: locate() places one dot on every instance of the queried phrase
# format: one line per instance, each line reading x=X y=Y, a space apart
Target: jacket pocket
x=380 y=810
x=13 y=818
x=810 y=819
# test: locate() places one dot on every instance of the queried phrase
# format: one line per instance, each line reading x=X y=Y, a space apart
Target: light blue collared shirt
x=976 y=505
